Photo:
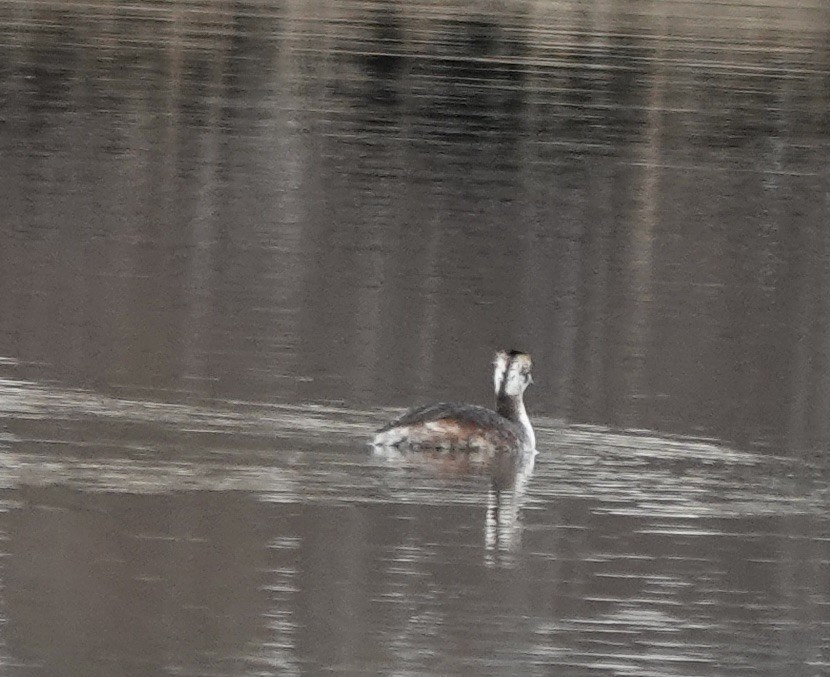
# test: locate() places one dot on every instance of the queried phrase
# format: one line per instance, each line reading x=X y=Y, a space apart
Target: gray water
x=236 y=237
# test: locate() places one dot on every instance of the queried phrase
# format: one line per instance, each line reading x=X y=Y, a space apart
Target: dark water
x=236 y=236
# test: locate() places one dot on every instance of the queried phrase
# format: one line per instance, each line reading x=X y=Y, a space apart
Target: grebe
x=451 y=426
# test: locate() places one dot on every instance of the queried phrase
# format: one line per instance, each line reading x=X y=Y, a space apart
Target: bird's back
x=452 y=426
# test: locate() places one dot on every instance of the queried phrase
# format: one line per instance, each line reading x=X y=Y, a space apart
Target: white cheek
x=497 y=381
x=498 y=373
x=514 y=386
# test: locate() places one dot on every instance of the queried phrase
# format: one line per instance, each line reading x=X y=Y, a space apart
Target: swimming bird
x=458 y=428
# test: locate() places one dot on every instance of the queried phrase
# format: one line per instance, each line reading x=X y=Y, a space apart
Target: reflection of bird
x=453 y=427
x=503 y=522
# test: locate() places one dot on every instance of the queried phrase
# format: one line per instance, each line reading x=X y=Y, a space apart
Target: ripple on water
x=617 y=555
x=317 y=452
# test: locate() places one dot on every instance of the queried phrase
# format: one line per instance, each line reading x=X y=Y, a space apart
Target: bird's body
x=453 y=427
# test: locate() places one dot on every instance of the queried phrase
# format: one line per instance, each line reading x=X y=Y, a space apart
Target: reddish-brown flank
x=458 y=434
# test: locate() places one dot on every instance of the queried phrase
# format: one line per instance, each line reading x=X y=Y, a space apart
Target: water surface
x=237 y=237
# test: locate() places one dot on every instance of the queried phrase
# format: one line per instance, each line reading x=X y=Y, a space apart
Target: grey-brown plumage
x=453 y=426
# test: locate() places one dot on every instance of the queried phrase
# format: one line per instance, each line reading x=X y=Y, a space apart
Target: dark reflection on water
x=230 y=233
x=133 y=584
x=261 y=202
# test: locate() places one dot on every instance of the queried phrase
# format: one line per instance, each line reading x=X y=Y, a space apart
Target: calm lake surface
x=237 y=237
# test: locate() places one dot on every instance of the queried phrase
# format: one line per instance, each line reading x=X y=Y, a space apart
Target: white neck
x=524 y=421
